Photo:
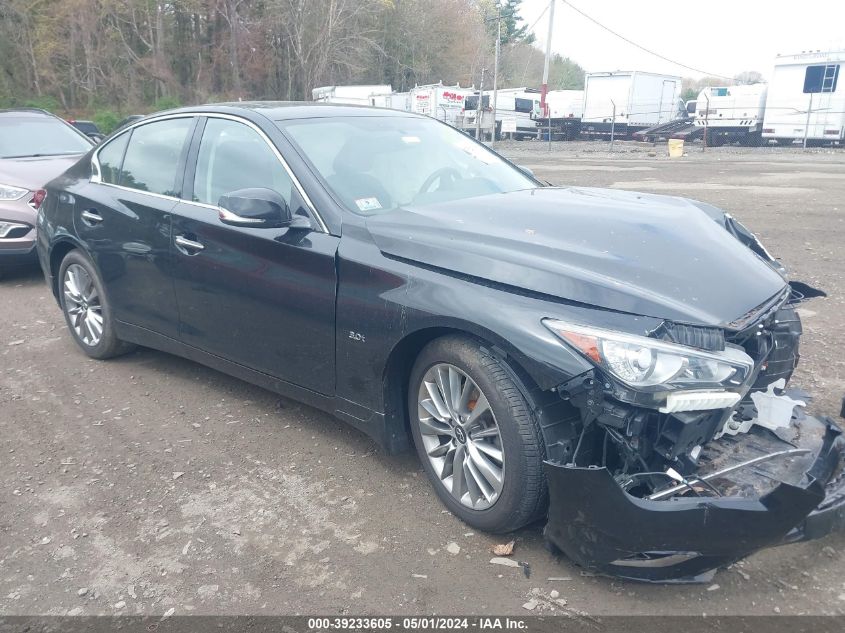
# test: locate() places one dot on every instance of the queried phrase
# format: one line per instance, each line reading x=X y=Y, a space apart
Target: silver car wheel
x=461 y=436
x=82 y=305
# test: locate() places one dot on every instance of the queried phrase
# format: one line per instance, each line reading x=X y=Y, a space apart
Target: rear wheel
x=714 y=139
x=753 y=139
x=476 y=436
x=86 y=308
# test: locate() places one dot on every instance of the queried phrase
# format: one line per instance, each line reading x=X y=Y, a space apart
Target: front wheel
x=476 y=436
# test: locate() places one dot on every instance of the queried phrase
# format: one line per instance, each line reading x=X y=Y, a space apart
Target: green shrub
x=106 y=120
x=45 y=102
x=166 y=103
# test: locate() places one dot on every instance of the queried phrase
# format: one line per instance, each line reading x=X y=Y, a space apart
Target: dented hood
x=645 y=254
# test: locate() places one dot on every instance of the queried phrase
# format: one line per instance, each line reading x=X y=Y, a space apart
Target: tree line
x=83 y=57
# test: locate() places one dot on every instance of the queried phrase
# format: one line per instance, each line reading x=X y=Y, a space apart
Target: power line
x=530 y=30
x=641 y=47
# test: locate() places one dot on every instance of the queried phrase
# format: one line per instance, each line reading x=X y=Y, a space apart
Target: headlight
x=642 y=362
x=8 y=192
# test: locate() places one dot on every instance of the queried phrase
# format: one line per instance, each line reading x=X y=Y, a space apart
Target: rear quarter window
x=110 y=159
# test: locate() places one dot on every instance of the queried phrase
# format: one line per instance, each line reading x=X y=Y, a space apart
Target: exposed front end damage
x=686 y=536
x=670 y=493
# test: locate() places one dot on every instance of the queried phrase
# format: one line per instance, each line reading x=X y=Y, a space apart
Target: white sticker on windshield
x=410 y=139
x=368 y=204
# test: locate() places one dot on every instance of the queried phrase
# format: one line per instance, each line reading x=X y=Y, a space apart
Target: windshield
x=25 y=136
x=376 y=164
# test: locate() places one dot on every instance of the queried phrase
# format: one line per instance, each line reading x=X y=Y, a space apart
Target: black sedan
x=590 y=357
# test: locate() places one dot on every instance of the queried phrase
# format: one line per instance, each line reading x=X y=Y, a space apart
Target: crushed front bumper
x=600 y=526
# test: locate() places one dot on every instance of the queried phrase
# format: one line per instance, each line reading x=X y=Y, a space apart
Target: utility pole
x=545 y=87
x=498 y=19
x=478 y=107
x=496 y=66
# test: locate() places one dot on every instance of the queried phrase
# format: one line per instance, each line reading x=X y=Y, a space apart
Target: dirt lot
x=151 y=483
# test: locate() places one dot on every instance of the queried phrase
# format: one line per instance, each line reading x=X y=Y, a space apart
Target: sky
x=720 y=37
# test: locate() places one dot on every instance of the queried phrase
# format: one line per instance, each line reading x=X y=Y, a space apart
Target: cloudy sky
x=722 y=37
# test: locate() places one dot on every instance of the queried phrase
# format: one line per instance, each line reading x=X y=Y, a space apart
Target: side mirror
x=258 y=208
x=525 y=170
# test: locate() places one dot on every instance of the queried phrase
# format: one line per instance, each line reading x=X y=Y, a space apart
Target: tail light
x=37 y=199
x=768 y=130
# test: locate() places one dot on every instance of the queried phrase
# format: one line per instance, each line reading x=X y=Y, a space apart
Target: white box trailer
x=565 y=104
x=732 y=113
x=354 y=95
x=641 y=99
x=443 y=103
x=514 y=111
x=806 y=98
x=393 y=101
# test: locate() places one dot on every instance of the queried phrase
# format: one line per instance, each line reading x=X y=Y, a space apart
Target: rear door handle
x=91 y=217
x=189 y=247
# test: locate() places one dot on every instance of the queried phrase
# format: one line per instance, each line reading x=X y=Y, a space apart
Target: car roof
x=28 y=112
x=288 y=110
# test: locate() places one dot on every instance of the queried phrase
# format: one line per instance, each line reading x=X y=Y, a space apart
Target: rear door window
x=152 y=158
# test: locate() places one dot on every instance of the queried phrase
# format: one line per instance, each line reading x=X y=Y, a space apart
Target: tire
x=753 y=139
x=93 y=297
x=715 y=140
x=523 y=496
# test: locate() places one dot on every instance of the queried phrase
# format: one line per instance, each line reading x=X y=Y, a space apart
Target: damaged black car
x=613 y=363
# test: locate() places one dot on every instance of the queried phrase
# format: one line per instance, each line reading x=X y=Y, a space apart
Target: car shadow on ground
x=322 y=426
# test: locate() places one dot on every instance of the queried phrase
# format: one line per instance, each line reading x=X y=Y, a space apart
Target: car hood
x=644 y=254
x=34 y=173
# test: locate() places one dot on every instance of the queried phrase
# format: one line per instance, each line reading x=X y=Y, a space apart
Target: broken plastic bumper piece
x=751 y=492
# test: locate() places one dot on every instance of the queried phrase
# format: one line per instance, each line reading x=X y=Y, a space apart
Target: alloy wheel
x=82 y=305
x=461 y=436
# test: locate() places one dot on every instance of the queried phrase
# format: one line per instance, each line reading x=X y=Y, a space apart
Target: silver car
x=35 y=147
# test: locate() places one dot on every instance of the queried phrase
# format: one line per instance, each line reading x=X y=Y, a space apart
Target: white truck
x=639 y=100
x=806 y=99
x=444 y=103
x=566 y=107
x=732 y=113
x=355 y=95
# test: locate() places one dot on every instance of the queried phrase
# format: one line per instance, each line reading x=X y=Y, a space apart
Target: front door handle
x=189 y=247
x=91 y=217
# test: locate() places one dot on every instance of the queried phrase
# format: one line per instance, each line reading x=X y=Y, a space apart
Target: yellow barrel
x=676 y=147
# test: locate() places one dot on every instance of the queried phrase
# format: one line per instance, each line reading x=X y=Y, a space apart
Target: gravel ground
x=150 y=484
